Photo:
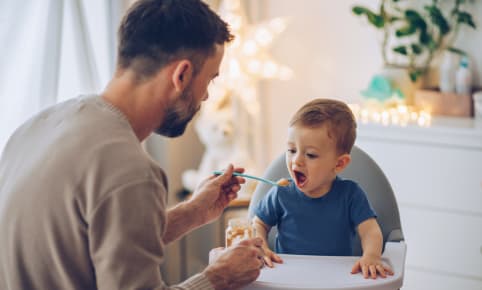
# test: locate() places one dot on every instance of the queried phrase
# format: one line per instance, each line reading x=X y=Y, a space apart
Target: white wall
x=333 y=54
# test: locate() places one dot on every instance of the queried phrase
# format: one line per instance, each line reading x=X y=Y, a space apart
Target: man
x=81 y=204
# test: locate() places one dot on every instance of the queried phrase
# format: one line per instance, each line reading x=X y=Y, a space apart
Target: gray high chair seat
x=370 y=177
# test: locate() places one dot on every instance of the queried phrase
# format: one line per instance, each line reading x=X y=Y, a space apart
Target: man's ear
x=182 y=75
x=342 y=162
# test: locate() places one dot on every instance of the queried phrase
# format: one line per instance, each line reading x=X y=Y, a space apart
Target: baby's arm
x=372 y=242
x=262 y=231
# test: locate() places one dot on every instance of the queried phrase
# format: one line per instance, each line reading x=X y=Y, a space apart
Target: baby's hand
x=370 y=266
x=270 y=257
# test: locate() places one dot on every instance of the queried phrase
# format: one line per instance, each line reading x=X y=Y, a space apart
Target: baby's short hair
x=332 y=113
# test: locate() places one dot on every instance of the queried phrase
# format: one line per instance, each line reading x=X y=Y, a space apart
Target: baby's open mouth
x=300 y=178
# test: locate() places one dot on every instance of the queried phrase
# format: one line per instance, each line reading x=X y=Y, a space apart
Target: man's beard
x=178 y=115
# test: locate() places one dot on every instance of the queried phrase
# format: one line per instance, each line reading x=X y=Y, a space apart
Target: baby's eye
x=291 y=151
x=311 y=156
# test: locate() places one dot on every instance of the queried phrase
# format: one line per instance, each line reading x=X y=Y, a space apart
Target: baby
x=319 y=213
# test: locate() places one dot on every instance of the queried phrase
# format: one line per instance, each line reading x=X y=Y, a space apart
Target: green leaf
x=415 y=20
x=359 y=10
x=416 y=49
x=428 y=41
x=392 y=19
x=465 y=18
x=375 y=19
x=438 y=19
x=401 y=50
x=425 y=38
x=413 y=16
x=405 y=31
x=414 y=74
x=457 y=51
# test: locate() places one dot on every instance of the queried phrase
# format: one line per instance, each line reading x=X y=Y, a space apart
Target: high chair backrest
x=368 y=175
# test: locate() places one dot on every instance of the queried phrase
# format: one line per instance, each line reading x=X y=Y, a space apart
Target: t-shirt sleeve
x=125 y=239
x=268 y=209
x=360 y=208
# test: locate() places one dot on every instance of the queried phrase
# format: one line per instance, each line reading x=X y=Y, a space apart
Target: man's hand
x=214 y=193
x=370 y=266
x=236 y=266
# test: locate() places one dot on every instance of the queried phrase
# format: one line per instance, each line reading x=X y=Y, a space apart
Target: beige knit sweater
x=82 y=206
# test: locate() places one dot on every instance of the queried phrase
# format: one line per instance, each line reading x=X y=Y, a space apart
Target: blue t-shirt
x=315 y=226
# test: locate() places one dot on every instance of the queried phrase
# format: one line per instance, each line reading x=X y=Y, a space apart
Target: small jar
x=239 y=229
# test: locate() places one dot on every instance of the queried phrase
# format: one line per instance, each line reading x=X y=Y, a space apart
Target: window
x=52 y=51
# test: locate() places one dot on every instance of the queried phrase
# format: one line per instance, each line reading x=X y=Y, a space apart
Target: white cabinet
x=436 y=174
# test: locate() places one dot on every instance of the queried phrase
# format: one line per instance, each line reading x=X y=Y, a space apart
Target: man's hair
x=153 y=33
x=334 y=114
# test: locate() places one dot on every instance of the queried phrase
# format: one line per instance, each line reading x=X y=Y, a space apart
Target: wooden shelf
x=444 y=104
x=240 y=202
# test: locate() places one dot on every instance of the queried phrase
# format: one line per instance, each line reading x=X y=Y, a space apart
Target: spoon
x=280 y=182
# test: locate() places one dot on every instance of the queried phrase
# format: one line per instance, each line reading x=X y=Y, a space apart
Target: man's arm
x=206 y=204
x=181 y=219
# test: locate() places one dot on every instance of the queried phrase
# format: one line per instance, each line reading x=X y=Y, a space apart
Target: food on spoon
x=283 y=182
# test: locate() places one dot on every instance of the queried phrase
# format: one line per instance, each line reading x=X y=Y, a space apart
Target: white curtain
x=53 y=50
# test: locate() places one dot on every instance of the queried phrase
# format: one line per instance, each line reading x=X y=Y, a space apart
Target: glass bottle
x=463 y=78
x=239 y=229
x=447 y=72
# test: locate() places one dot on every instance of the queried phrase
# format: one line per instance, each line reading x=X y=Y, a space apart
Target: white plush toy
x=216 y=130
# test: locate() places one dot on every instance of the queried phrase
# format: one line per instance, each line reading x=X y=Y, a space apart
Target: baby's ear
x=342 y=162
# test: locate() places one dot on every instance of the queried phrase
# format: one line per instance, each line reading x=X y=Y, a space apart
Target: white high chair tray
x=329 y=273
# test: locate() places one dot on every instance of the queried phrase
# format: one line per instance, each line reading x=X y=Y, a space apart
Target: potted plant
x=416 y=32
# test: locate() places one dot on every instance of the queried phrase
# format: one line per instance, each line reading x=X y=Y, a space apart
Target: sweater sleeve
x=198 y=281
x=125 y=239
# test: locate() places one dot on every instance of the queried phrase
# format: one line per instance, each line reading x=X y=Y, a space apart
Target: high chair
x=327 y=272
